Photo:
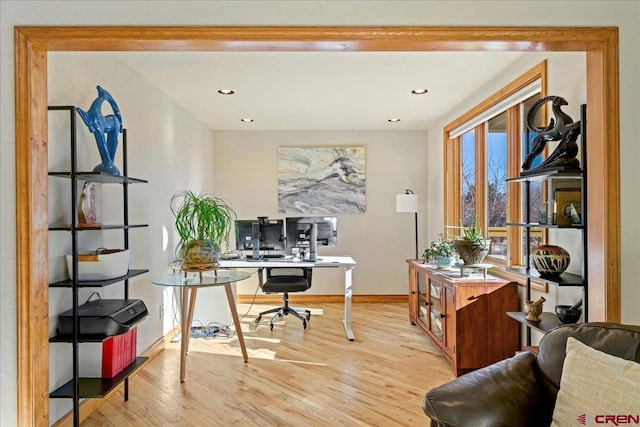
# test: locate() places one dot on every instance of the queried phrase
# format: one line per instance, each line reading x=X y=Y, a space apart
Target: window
x=496 y=167
x=482 y=149
x=468 y=178
x=537 y=189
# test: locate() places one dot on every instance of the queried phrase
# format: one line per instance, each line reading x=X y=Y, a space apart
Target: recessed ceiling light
x=246 y=120
x=226 y=92
x=394 y=120
x=419 y=91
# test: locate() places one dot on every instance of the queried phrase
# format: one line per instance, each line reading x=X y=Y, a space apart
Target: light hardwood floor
x=294 y=376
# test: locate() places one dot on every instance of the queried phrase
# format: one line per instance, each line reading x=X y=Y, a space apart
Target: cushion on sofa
x=595 y=384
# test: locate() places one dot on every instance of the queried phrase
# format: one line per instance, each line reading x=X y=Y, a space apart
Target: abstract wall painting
x=321 y=180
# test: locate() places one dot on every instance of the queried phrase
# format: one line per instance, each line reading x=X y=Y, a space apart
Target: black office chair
x=284 y=280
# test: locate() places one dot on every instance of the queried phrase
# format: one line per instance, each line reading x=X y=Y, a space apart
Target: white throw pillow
x=595 y=387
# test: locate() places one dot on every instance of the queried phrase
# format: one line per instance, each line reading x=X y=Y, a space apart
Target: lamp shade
x=407 y=202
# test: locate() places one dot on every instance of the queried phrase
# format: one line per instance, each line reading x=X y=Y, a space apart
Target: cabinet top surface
x=459 y=276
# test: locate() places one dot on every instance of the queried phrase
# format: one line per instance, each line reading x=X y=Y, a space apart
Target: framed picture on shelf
x=568 y=206
x=553 y=186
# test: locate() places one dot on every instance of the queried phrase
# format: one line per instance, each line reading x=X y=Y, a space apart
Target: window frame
x=452 y=166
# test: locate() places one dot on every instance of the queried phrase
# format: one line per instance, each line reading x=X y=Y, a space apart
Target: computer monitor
x=299 y=231
x=270 y=235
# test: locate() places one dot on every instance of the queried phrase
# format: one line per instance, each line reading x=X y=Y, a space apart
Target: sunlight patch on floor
x=302 y=362
x=225 y=347
x=265 y=339
x=229 y=345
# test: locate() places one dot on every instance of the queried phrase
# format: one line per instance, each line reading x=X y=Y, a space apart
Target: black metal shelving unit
x=550 y=320
x=96 y=387
x=78 y=387
x=547 y=321
x=68 y=283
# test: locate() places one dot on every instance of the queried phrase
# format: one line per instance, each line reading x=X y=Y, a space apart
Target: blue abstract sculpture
x=105 y=129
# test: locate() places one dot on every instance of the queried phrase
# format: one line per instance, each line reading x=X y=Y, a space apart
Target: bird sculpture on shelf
x=105 y=129
x=562 y=129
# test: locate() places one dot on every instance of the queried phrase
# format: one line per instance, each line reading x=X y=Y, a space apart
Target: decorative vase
x=550 y=260
x=444 y=262
x=472 y=252
x=200 y=255
x=86 y=208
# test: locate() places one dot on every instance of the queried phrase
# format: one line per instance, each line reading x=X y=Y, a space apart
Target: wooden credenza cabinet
x=466 y=318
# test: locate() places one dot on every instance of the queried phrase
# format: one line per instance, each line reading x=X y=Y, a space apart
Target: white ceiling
x=319 y=90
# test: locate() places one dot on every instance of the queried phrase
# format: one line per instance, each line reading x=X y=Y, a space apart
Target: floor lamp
x=408 y=202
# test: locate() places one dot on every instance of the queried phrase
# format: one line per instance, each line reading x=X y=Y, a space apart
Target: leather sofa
x=521 y=390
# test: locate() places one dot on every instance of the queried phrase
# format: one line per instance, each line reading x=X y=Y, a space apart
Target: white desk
x=322 y=262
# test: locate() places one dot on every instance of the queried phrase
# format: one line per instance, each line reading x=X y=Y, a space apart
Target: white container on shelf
x=105 y=264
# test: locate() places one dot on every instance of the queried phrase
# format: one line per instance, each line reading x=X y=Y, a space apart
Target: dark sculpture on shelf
x=105 y=129
x=562 y=129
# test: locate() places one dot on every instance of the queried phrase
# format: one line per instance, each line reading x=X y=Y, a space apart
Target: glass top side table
x=190 y=282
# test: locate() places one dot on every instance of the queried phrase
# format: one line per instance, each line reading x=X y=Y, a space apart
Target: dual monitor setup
x=273 y=238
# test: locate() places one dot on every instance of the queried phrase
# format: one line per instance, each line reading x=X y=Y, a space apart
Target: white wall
x=246 y=174
x=166 y=146
x=624 y=14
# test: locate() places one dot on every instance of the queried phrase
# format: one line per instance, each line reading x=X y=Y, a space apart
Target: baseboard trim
x=310 y=299
x=87 y=406
x=169 y=336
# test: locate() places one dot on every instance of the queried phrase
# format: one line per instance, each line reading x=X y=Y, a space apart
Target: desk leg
x=347 y=302
x=186 y=333
x=236 y=320
x=192 y=304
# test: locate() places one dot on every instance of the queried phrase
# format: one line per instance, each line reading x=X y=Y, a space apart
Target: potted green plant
x=203 y=222
x=442 y=251
x=472 y=246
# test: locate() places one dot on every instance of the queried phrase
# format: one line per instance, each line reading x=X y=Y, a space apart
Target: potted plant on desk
x=203 y=222
x=442 y=251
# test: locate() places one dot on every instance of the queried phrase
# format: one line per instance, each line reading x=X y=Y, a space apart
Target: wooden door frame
x=33 y=43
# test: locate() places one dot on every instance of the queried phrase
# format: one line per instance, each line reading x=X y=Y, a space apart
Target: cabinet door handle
x=427 y=303
x=442 y=315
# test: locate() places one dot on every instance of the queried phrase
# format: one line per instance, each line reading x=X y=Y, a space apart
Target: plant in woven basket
x=203 y=222
x=471 y=245
x=472 y=234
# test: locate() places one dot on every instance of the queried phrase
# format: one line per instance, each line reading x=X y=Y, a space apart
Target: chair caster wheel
x=257 y=320
x=271 y=326
x=304 y=324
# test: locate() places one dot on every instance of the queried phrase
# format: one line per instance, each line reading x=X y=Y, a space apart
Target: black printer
x=104 y=317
